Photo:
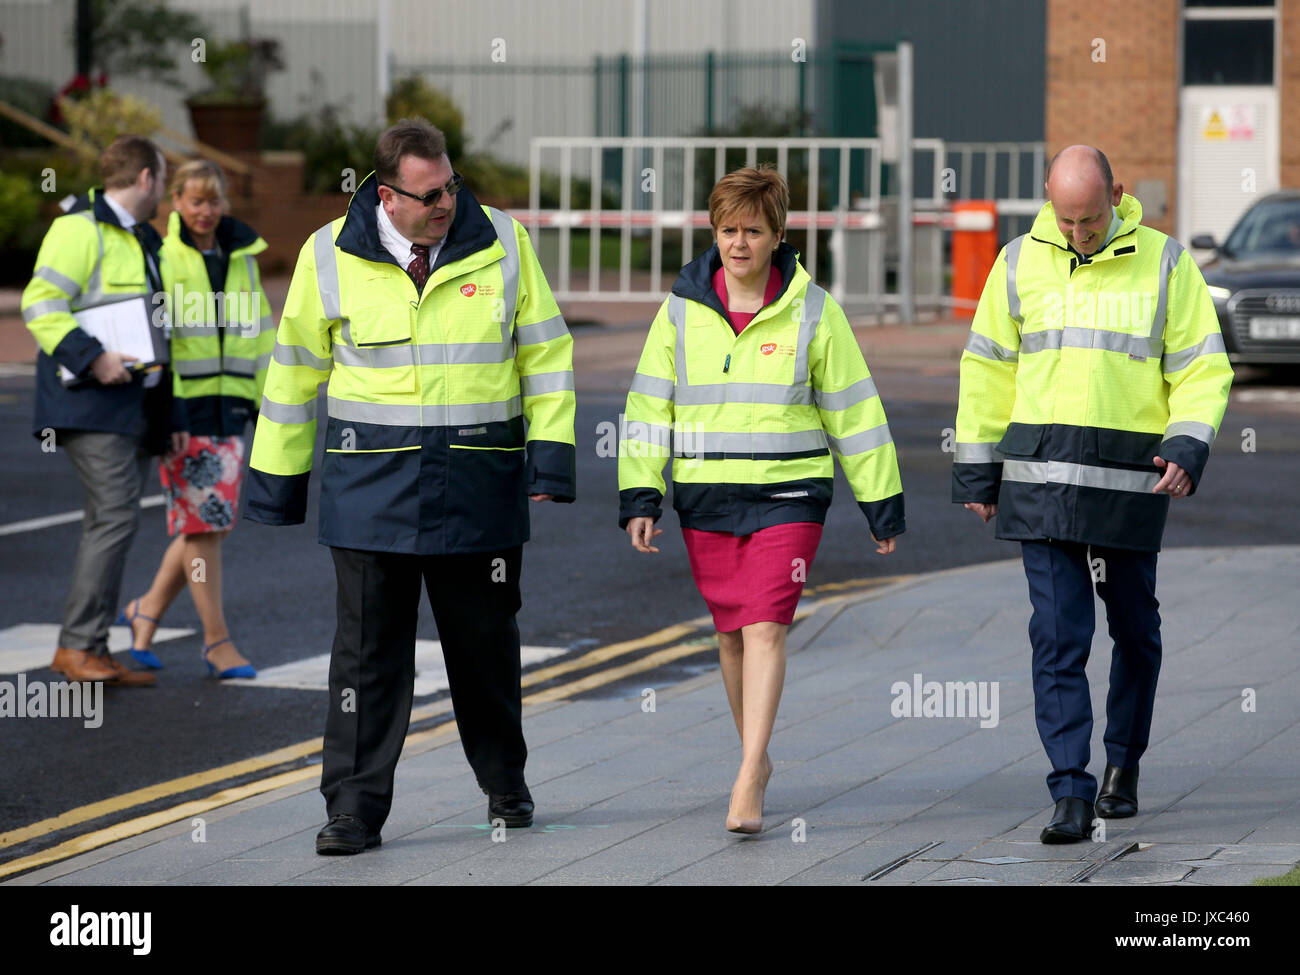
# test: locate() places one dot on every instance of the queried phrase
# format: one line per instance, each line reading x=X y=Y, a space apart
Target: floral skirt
x=201 y=486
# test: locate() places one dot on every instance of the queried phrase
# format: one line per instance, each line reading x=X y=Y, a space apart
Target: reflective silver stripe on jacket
x=1191 y=428
x=1013 y=293
x=859 y=392
x=47 y=307
x=543 y=331
x=430 y=354
x=504 y=225
x=677 y=317
x=810 y=313
x=688 y=442
x=978 y=453
x=1082 y=475
x=1175 y=361
x=1168 y=261
x=860 y=443
x=986 y=348
x=540 y=383
x=775 y=394
x=231 y=365
x=58 y=279
x=655 y=434
x=289 y=412
x=428 y=414
x=327 y=272
x=653 y=386
x=296 y=355
x=1081 y=337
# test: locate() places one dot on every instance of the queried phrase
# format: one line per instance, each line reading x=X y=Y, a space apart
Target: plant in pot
x=228 y=114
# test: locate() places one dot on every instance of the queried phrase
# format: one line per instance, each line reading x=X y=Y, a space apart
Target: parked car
x=1254 y=279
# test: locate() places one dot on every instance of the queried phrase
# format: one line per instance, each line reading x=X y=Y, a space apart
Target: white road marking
x=312 y=674
x=32 y=524
x=31 y=646
x=1267 y=395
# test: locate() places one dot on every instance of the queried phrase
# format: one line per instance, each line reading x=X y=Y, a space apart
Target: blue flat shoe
x=127 y=617
x=243 y=670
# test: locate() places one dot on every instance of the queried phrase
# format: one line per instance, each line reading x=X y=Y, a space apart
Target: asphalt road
x=583 y=584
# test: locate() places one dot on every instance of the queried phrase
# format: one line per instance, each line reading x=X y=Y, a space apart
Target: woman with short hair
x=750 y=377
x=222 y=339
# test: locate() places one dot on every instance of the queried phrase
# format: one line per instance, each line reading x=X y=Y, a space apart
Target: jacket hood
x=1046 y=230
x=93 y=199
x=233 y=235
x=696 y=279
x=471 y=230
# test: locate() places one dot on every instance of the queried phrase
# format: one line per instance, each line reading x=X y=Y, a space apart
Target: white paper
x=122 y=326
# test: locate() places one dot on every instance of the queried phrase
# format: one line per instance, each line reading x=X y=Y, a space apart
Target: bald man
x=1092 y=385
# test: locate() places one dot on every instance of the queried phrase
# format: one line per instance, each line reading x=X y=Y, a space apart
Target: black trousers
x=372 y=670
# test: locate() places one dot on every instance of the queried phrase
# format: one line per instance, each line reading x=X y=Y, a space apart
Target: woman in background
x=222 y=339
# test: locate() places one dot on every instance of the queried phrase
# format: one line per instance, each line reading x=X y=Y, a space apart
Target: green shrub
x=20 y=204
x=413 y=97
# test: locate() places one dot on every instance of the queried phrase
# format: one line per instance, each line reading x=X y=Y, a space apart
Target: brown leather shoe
x=125 y=677
x=81 y=665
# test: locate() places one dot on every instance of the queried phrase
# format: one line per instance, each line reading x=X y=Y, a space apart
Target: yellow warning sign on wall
x=1212 y=127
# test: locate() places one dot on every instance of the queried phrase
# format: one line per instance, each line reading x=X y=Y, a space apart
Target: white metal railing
x=679 y=171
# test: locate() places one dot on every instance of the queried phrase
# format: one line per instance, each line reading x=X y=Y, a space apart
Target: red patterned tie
x=419 y=266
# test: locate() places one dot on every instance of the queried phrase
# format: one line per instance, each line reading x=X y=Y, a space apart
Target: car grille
x=1245 y=305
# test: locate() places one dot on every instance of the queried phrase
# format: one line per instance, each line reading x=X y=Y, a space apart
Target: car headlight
x=1220 y=294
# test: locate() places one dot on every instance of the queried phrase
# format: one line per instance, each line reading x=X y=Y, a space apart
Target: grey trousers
x=112 y=468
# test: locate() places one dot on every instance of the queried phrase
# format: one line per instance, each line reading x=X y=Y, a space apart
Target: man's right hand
x=985 y=511
x=110 y=368
x=643 y=531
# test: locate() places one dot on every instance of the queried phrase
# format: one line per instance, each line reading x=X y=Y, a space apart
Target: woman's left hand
x=883 y=548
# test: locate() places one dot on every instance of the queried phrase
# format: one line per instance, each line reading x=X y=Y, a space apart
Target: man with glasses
x=450 y=404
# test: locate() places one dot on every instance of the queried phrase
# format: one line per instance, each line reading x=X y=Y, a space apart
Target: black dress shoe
x=1118 y=798
x=515 y=808
x=344 y=835
x=1071 y=822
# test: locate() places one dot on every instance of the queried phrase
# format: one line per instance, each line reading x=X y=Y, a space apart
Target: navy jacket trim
x=695 y=281
x=1188 y=453
x=277 y=499
x=639 y=502
x=885 y=517
x=471 y=231
x=551 y=468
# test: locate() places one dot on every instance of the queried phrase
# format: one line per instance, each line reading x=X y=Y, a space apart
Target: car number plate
x=1274 y=327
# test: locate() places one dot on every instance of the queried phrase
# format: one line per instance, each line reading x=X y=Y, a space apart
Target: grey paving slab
x=629 y=796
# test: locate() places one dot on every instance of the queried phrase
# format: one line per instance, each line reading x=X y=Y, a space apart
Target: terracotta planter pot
x=230 y=126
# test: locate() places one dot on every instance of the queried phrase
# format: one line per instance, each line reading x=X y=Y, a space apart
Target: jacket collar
x=232 y=234
x=471 y=231
x=696 y=279
x=93 y=200
x=1046 y=231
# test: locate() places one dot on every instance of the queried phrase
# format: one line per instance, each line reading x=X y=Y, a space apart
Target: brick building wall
x=1289 y=97
x=1125 y=104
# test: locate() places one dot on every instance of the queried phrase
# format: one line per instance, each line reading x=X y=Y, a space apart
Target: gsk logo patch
x=468 y=290
x=768 y=349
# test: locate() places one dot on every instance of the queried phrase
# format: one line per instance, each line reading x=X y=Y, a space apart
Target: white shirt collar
x=1113 y=229
x=397 y=245
x=123 y=215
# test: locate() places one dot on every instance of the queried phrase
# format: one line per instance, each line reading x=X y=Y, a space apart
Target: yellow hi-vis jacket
x=425 y=446
x=750 y=420
x=1080 y=370
x=221 y=342
x=86 y=260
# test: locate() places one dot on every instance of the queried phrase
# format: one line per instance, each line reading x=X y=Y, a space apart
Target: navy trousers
x=1061 y=577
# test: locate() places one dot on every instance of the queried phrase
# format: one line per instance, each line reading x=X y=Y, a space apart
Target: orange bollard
x=974 y=249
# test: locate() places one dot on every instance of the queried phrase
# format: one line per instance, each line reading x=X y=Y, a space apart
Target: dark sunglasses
x=433 y=196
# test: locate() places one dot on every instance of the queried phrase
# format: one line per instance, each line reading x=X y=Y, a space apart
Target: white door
x=1228 y=155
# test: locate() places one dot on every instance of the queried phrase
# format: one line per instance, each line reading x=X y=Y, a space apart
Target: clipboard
x=125 y=327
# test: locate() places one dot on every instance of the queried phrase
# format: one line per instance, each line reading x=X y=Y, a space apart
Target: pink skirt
x=201 y=486
x=752 y=578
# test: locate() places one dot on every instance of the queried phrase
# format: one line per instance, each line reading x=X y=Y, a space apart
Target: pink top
x=739 y=319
